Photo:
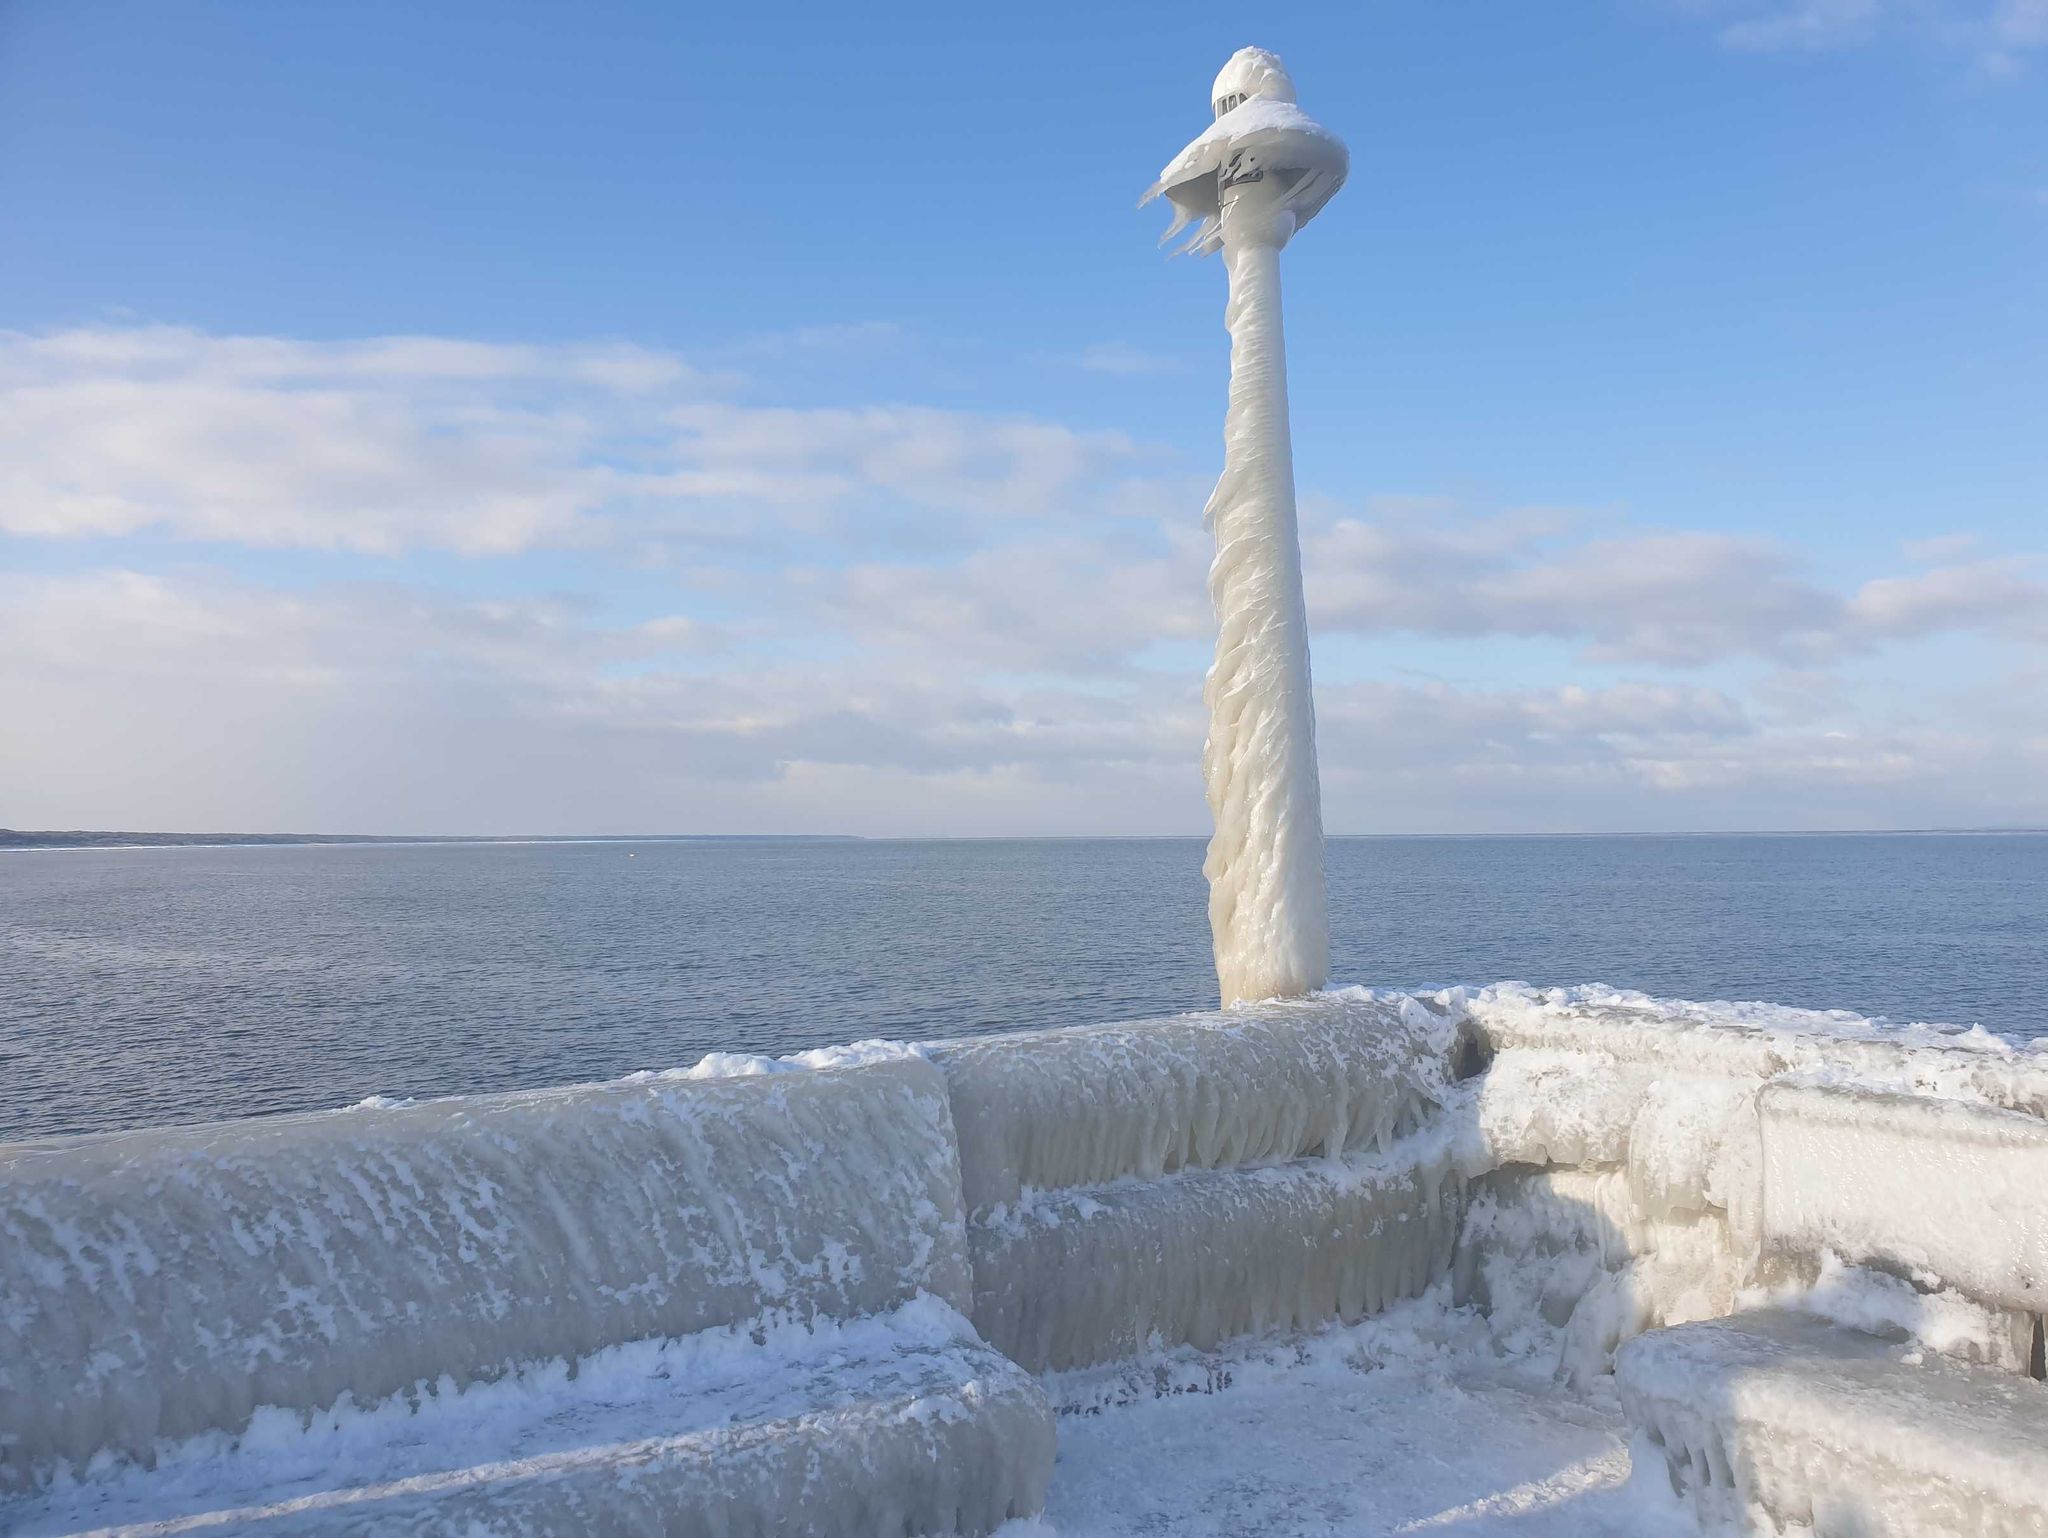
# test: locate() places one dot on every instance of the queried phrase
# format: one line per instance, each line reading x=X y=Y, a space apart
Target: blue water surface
x=148 y=986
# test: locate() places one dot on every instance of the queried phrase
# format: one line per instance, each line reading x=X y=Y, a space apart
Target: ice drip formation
x=1256 y=175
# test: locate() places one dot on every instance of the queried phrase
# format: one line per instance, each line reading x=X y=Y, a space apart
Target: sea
x=143 y=987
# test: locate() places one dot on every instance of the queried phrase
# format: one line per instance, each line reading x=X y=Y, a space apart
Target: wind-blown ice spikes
x=1258 y=173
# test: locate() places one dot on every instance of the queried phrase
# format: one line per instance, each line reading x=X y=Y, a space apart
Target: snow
x=899 y=1423
x=1760 y=1041
x=1407 y=1424
x=158 y=1285
x=1776 y=1418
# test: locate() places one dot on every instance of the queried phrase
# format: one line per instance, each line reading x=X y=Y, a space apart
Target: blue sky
x=614 y=417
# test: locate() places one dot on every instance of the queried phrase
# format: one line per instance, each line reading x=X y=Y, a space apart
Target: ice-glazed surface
x=1917 y=1185
x=1761 y=1041
x=1341 y=1071
x=1566 y=1265
x=162 y=1284
x=1268 y=907
x=1087 y=1276
x=1776 y=1422
x=1280 y=138
x=1408 y=1424
x=1248 y=181
x=897 y=1424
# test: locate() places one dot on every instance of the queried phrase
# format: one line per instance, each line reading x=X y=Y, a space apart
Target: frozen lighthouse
x=1257 y=174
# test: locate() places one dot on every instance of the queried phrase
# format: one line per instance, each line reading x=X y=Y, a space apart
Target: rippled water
x=160 y=985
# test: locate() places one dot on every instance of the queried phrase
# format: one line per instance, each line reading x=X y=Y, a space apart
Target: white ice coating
x=1777 y=1422
x=733 y=1296
x=1913 y=1185
x=1043 y=1110
x=1090 y=1276
x=1248 y=182
x=158 y=1285
x=902 y=1423
x=1637 y=1188
x=1187 y=1180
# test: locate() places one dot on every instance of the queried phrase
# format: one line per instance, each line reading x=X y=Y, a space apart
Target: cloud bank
x=425 y=584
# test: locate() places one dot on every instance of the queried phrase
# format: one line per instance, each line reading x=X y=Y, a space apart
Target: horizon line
x=22 y=840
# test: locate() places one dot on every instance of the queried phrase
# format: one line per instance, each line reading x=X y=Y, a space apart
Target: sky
x=636 y=417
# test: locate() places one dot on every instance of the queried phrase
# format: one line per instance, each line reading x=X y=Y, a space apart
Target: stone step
x=1775 y=1421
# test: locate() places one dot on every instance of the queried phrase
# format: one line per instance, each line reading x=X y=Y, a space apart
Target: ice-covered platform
x=1504 y=1261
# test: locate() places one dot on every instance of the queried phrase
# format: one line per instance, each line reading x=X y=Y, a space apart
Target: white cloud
x=199 y=701
x=406 y=443
x=1123 y=358
x=882 y=617
x=1997 y=35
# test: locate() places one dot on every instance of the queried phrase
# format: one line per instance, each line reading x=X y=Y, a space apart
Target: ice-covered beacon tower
x=1257 y=174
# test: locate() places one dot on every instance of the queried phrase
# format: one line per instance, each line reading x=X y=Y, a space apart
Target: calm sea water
x=161 y=985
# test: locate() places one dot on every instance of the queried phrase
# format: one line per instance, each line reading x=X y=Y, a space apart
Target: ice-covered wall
x=1777 y=1422
x=1912 y=1185
x=160 y=1284
x=1187 y=1180
x=1077 y=1278
x=1656 y=1162
x=1045 y=1110
x=1757 y=1042
x=678 y=1252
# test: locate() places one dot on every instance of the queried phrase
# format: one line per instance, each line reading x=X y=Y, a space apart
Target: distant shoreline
x=12 y=839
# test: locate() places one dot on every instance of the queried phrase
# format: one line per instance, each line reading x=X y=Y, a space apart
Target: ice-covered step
x=1912 y=1184
x=726 y=1306
x=899 y=1424
x=1260 y=1084
x=1075 y=1278
x=1777 y=1422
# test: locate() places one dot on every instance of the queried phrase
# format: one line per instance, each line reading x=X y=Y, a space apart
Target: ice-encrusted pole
x=1261 y=171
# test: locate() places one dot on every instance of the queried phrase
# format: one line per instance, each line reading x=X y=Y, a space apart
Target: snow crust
x=1760 y=1041
x=1776 y=1421
x=901 y=1423
x=159 y=1285
x=1403 y=1424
